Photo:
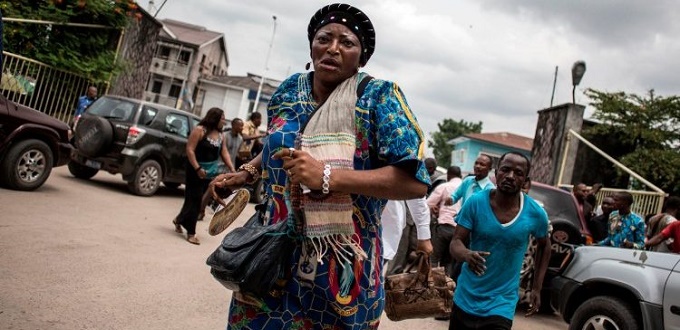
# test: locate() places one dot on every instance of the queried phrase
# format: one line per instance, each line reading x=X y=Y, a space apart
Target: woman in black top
x=205 y=147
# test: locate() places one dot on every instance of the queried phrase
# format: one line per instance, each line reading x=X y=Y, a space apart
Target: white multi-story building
x=185 y=54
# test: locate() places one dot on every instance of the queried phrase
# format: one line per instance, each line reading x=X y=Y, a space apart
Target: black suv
x=143 y=141
x=31 y=144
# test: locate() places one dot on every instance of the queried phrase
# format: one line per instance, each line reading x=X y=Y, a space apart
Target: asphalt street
x=81 y=254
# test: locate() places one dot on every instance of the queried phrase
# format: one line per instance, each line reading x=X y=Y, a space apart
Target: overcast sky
x=483 y=60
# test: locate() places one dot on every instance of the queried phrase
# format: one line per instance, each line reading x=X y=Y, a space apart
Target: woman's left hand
x=301 y=167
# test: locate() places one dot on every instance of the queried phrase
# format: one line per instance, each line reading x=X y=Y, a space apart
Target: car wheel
x=27 y=165
x=604 y=312
x=172 y=185
x=93 y=135
x=258 y=195
x=81 y=171
x=147 y=178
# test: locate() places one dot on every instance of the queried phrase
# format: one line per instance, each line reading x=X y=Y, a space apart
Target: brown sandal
x=193 y=240
x=178 y=227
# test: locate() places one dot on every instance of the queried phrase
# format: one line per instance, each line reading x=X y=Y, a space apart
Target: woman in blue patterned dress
x=339 y=145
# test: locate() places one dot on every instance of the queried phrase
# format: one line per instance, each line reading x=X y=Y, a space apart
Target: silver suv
x=623 y=289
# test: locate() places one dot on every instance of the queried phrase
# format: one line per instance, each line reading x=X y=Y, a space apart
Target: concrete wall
x=550 y=140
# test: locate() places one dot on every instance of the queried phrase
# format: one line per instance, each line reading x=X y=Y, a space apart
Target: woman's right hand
x=233 y=181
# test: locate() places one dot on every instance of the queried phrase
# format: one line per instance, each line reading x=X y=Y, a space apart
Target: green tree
x=651 y=125
x=450 y=129
x=90 y=52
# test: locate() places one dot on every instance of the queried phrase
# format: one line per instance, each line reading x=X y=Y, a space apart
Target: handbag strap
x=423 y=271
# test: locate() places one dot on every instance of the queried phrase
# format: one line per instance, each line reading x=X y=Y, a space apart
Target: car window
x=147 y=116
x=177 y=124
x=195 y=122
x=113 y=108
x=556 y=203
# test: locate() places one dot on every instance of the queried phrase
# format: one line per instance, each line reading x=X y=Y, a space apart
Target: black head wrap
x=352 y=18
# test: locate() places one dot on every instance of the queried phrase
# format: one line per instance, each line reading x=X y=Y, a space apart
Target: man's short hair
x=626 y=197
x=431 y=161
x=576 y=185
x=236 y=120
x=487 y=157
x=454 y=171
x=518 y=154
x=255 y=115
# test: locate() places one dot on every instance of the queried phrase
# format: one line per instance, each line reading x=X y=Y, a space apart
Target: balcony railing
x=169 y=68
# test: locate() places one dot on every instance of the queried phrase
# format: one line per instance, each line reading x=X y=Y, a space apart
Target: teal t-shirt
x=496 y=291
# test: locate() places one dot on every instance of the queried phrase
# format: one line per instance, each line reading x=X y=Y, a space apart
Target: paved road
x=88 y=255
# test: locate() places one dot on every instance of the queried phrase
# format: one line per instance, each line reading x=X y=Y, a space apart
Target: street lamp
x=577 y=72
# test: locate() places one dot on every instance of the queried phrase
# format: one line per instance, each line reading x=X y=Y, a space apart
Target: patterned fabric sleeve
x=399 y=139
x=639 y=234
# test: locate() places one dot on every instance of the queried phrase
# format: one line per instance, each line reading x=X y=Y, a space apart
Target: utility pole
x=264 y=73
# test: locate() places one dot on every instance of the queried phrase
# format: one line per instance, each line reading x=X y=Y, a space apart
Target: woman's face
x=223 y=121
x=336 y=52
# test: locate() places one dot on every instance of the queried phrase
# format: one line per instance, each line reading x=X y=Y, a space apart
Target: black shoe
x=442 y=318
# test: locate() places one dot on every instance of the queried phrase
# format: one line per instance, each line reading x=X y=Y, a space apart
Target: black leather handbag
x=251 y=258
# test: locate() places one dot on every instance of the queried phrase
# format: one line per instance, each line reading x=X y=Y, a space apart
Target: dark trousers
x=461 y=320
x=441 y=255
x=194 y=187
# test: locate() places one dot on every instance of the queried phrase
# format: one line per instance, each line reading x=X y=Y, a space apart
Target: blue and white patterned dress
x=387 y=133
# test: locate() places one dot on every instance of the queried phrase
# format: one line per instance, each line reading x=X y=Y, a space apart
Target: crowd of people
x=343 y=161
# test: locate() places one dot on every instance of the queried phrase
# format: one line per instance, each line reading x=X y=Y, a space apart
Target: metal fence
x=43 y=87
x=644 y=202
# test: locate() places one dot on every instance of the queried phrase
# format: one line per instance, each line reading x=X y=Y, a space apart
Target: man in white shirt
x=395 y=239
x=445 y=218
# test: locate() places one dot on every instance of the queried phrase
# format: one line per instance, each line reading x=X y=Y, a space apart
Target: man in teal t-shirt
x=497 y=223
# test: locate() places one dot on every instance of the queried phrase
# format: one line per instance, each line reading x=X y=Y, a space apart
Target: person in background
x=498 y=223
x=591 y=198
x=332 y=131
x=85 y=101
x=412 y=229
x=598 y=224
x=205 y=146
x=625 y=228
x=446 y=224
x=233 y=141
x=394 y=221
x=251 y=145
x=669 y=234
x=436 y=178
x=474 y=183
x=660 y=221
x=580 y=191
